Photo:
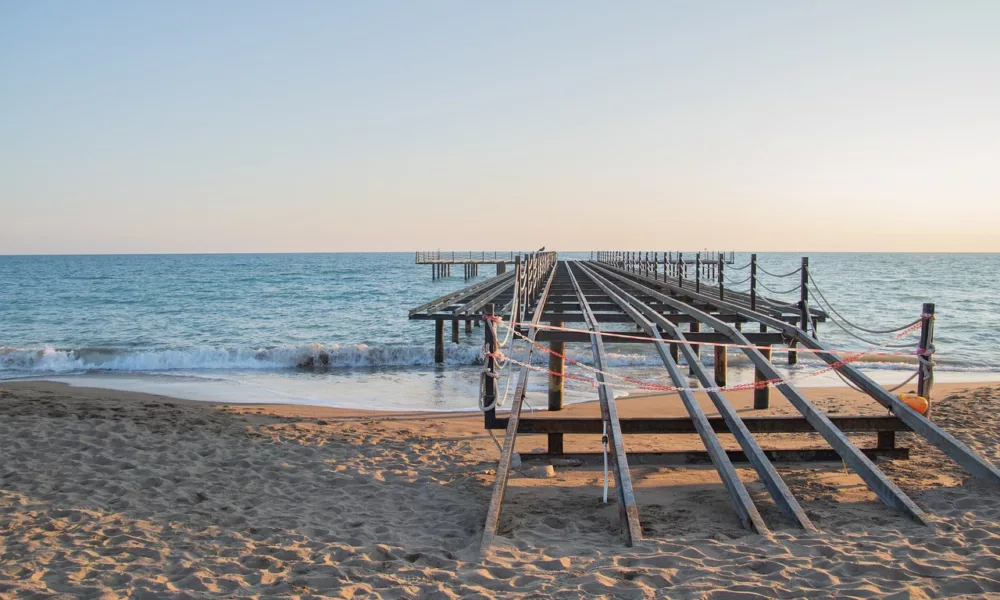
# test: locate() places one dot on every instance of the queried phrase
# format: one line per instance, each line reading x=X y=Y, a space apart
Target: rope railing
x=766 y=272
x=774 y=291
x=740 y=282
x=844 y=319
x=632 y=383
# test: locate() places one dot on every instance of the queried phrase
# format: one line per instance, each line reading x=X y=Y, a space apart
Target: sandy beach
x=108 y=494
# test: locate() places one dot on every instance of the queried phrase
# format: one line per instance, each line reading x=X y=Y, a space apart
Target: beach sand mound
x=112 y=494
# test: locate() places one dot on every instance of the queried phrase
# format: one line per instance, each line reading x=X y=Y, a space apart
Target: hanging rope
x=742 y=281
x=842 y=318
x=766 y=272
x=773 y=291
x=731 y=268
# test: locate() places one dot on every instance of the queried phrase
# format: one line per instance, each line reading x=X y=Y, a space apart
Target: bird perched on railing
x=542 y=249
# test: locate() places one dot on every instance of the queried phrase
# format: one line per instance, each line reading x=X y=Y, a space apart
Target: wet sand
x=107 y=494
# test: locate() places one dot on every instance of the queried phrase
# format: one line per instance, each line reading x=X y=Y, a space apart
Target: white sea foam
x=319 y=357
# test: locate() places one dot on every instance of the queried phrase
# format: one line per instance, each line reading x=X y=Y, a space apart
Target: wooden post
x=454 y=331
x=695 y=327
x=697 y=273
x=804 y=294
x=516 y=314
x=925 y=377
x=793 y=356
x=556 y=386
x=675 y=352
x=762 y=395
x=753 y=282
x=721 y=365
x=438 y=341
x=680 y=269
x=490 y=393
x=722 y=281
x=468 y=326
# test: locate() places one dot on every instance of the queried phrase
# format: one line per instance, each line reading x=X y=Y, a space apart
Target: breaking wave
x=313 y=357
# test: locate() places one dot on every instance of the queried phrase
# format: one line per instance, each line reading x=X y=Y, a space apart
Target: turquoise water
x=238 y=326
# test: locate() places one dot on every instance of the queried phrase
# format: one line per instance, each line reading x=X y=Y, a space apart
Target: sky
x=262 y=126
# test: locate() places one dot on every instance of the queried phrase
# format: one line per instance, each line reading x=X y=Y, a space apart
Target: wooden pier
x=441 y=262
x=558 y=302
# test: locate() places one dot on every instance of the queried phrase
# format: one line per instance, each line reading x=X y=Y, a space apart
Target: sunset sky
x=252 y=126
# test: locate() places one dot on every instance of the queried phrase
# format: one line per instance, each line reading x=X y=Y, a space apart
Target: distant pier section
x=441 y=262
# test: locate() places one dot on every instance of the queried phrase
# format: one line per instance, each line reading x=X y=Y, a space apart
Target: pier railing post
x=490 y=391
x=697 y=273
x=925 y=349
x=793 y=356
x=804 y=295
x=753 y=282
x=680 y=269
x=722 y=281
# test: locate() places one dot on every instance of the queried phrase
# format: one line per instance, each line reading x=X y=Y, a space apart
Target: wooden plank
x=740 y=497
x=628 y=513
x=695 y=457
x=683 y=425
x=704 y=337
x=506 y=454
x=876 y=480
x=783 y=497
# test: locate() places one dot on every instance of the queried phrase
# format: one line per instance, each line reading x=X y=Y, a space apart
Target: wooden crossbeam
x=683 y=425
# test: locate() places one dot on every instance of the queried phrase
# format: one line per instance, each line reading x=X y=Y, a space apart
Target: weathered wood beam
x=628 y=513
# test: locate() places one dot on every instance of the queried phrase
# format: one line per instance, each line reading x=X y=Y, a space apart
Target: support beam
x=557 y=365
x=439 y=342
x=721 y=366
x=761 y=392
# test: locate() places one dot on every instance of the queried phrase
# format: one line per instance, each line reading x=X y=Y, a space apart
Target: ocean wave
x=308 y=356
x=320 y=357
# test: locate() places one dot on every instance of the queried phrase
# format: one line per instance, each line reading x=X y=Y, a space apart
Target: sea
x=242 y=327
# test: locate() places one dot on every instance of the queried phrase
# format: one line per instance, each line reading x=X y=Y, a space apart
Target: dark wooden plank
x=683 y=425
x=627 y=511
x=503 y=467
x=696 y=457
